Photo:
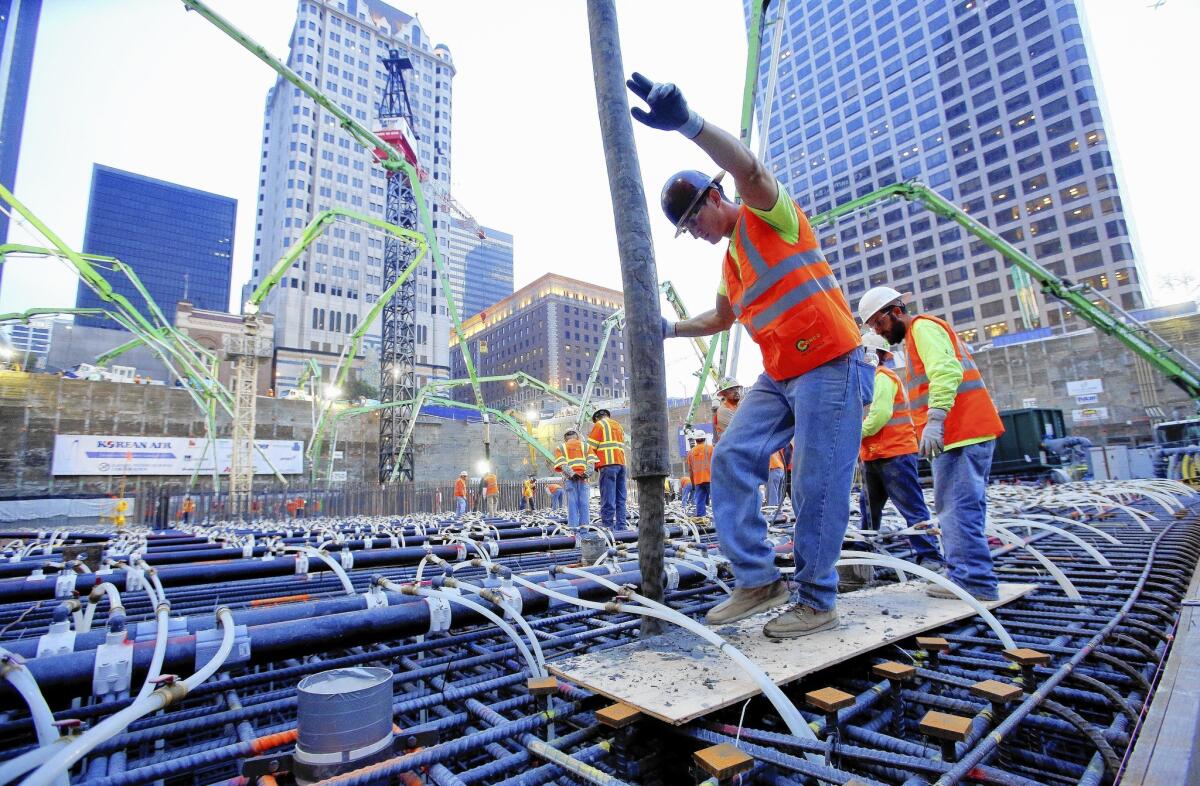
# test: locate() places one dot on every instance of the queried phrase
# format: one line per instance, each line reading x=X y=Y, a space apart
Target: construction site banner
x=90 y=454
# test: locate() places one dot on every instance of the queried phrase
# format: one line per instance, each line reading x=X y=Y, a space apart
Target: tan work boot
x=746 y=602
x=800 y=620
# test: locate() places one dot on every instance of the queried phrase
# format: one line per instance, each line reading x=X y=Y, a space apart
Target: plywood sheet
x=677 y=677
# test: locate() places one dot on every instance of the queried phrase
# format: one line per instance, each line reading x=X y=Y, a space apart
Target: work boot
x=800 y=620
x=748 y=601
x=938 y=591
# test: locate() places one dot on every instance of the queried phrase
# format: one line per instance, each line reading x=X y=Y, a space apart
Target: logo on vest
x=806 y=344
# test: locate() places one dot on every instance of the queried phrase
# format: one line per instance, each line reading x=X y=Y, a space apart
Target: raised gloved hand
x=668 y=328
x=668 y=108
x=933 y=440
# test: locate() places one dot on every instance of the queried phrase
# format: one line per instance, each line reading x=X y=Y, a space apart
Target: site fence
x=164 y=506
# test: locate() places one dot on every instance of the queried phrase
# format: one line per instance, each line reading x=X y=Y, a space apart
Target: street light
x=531 y=416
x=483 y=466
x=332 y=392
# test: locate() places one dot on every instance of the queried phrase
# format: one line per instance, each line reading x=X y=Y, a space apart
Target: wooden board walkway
x=677 y=677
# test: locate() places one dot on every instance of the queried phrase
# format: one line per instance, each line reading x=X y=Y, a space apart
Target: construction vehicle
x=1177 y=450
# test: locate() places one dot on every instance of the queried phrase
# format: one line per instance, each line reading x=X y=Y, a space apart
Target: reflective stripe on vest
x=700 y=463
x=787 y=297
x=897 y=437
x=608 y=440
x=573 y=455
x=973 y=413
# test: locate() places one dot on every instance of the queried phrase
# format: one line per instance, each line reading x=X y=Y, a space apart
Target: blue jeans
x=577 y=501
x=612 y=496
x=896 y=479
x=700 y=495
x=822 y=411
x=686 y=494
x=960 y=478
x=556 y=500
x=460 y=504
x=774 y=487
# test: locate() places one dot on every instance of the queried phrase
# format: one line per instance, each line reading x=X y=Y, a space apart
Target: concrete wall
x=1041 y=369
x=35 y=407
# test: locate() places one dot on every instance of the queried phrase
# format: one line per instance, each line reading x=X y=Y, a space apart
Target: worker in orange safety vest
x=699 y=462
x=575 y=460
x=778 y=284
x=956 y=426
x=608 y=440
x=460 y=493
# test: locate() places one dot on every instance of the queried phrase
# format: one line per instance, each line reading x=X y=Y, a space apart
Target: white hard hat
x=876 y=298
x=872 y=340
x=701 y=436
x=463 y=473
x=728 y=383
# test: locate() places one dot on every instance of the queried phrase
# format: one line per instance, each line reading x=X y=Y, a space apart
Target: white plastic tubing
x=79 y=747
x=646 y=607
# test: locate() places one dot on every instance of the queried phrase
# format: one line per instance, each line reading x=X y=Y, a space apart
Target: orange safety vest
x=776 y=460
x=460 y=488
x=786 y=296
x=490 y=484
x=189 y=506
x=684 y=482
x=973 y=414
x=573 y=455
x=897 y=437
x=552 y=488
x=699 y=463
x=608 y=440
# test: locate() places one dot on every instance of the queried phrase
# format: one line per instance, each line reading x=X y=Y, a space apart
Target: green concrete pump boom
x=614 y=321
x=706 y=351
x=1108 y=318
x=394 y=161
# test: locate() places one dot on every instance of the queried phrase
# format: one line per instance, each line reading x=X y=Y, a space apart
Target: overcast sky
x=145 y=86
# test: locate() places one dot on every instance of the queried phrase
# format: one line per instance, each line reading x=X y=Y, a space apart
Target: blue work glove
x=933 y=440
x=668 y=109
x=668 y=328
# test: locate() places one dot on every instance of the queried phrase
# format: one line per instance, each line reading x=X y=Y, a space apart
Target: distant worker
x=187 y=508
x=491 y=492
x=729 y=395
x=608 y=441
x=528 y=489
x=777 y=283
x=699 y=462
x=555 y=490
x=775 y=476
x=299 y=507
x=889 y=456
x=685 y=490
x=460 y=493
x=956 y=425
x=575 y=461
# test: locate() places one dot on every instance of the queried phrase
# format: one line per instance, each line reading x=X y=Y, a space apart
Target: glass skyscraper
x=992 y=104
x=486 y=264
x=178 y=240
x=18 y=33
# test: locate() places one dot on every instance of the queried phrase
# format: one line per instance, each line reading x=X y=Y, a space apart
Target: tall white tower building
x=309 y=165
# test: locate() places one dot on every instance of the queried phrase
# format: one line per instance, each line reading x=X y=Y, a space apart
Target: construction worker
x=555 y=490
x=460 y=493
x=956 y=424
x=699 y=462
x=777 y=283
x=575 y=461
x=608 y=441
x=528 y=489
x=491 y=492
x=685 y=490
x=729 y=395
x=889 y=456
x=187 y=508
x=775 y=476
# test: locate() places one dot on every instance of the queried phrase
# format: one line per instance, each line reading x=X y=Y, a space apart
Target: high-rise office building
x=992 y=104
x=484 y=258
x=178 y=240
x=309 y=165
x=550 y=329
x=18 y=33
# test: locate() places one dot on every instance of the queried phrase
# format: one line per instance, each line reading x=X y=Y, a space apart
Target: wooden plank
x=677 y=677
x=1167 y=749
